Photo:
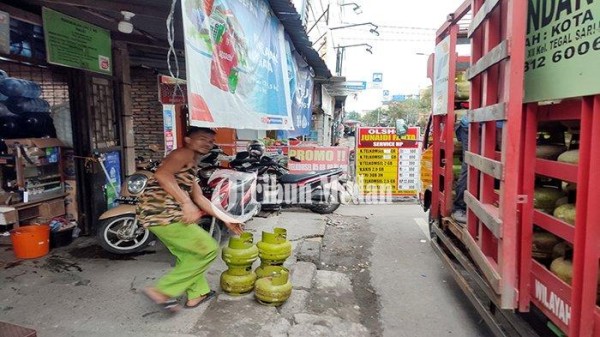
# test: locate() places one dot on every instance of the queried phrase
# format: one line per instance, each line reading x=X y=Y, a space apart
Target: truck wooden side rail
x=492 y=256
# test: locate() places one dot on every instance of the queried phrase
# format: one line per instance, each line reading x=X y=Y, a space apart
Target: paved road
x=418 y=296
x=81 y=290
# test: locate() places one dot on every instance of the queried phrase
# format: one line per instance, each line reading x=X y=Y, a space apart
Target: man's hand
x=191 y=213
x=236 y=227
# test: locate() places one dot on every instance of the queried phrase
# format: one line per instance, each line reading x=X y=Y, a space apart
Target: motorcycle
x=319 y=191
x=121 y=233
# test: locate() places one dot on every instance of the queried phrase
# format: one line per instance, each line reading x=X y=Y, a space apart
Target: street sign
x=377 y=80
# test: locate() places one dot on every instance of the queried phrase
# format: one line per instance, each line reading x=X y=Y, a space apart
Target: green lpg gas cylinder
x=274 y=247
x=275 y=289
x=238 y=280
x=265 y=270
x=240 y=251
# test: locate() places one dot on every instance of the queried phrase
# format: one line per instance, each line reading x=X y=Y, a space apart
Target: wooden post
x=123 y=76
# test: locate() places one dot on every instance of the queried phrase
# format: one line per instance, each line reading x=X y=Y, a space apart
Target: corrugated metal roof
x=292 y=22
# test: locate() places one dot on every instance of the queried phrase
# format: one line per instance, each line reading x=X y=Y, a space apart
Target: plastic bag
x=234 y=193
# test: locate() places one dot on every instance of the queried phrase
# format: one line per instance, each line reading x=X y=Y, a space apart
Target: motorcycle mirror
x=295 y=159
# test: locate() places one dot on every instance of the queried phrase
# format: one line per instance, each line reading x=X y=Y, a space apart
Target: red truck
x=528 y=255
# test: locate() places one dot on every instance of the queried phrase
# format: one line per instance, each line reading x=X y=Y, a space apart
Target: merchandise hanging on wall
x=23 y=114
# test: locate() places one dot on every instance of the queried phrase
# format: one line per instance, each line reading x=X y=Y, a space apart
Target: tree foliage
x=414 y=111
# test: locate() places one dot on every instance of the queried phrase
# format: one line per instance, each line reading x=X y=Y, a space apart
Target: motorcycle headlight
x=136 y=183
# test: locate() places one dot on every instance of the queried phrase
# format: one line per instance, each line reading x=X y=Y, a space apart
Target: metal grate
x=103 y=118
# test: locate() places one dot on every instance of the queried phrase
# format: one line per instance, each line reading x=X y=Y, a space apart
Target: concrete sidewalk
x=81 y=290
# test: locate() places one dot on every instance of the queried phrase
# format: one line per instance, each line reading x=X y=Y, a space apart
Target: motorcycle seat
x=296 y=178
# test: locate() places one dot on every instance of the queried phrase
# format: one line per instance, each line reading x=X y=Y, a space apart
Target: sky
x=407 y=28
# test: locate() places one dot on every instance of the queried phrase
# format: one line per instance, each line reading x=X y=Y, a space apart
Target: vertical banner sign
x=170 y=126
x=313 y=158
x=301 y=99
x=4 y=33
x=385 y=161
x=377 y=80
x=77 y=44
x=236 y=65
x=301 y=84
x=113 y=167
x=562 y=50
x=441 y=74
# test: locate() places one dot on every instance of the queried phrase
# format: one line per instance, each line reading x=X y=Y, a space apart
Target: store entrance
x=100 y=145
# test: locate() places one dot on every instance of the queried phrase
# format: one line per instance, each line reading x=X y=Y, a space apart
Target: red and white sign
x=314 y=158
x=168 y=93
x=551 y=295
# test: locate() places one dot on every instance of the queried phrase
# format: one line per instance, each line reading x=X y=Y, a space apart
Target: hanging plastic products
x=20 y=105
x=15 y=87
x=9 y=127
x=4 y=111
x=37 y=125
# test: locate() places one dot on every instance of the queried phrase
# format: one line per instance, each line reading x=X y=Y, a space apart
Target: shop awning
x=289 y=17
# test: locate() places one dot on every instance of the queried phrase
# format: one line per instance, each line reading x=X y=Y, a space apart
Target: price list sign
x=385 y=161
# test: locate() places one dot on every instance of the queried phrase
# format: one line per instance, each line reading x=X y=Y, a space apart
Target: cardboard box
x=8 y=215
x=35 y=142
x=52 y=209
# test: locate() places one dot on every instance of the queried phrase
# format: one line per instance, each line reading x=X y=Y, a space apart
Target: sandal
x=207 y=297
x=170 y=305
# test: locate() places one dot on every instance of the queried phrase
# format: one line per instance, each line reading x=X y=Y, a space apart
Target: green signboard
x=77 y=44
x=562 y=49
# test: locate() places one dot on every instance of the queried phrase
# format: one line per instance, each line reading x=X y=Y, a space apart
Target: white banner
x=237 y=67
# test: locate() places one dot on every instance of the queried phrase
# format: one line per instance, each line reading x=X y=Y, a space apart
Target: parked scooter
x=121 y=233
x=319 y=191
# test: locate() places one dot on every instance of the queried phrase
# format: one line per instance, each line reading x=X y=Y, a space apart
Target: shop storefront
x=57 y=116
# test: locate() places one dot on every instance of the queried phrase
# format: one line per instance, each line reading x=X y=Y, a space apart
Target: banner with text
x=314 y=158
x=385 y=161
x=562 y=50
x=441 y=75
x=236 y=65
x=73 y=43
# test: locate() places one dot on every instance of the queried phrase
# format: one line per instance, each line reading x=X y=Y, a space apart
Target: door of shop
x=97 y=136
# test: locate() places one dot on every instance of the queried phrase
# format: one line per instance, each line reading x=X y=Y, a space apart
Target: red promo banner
x=313 y=158
x=382 y=137
x=276 y=149
x=167 y=93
